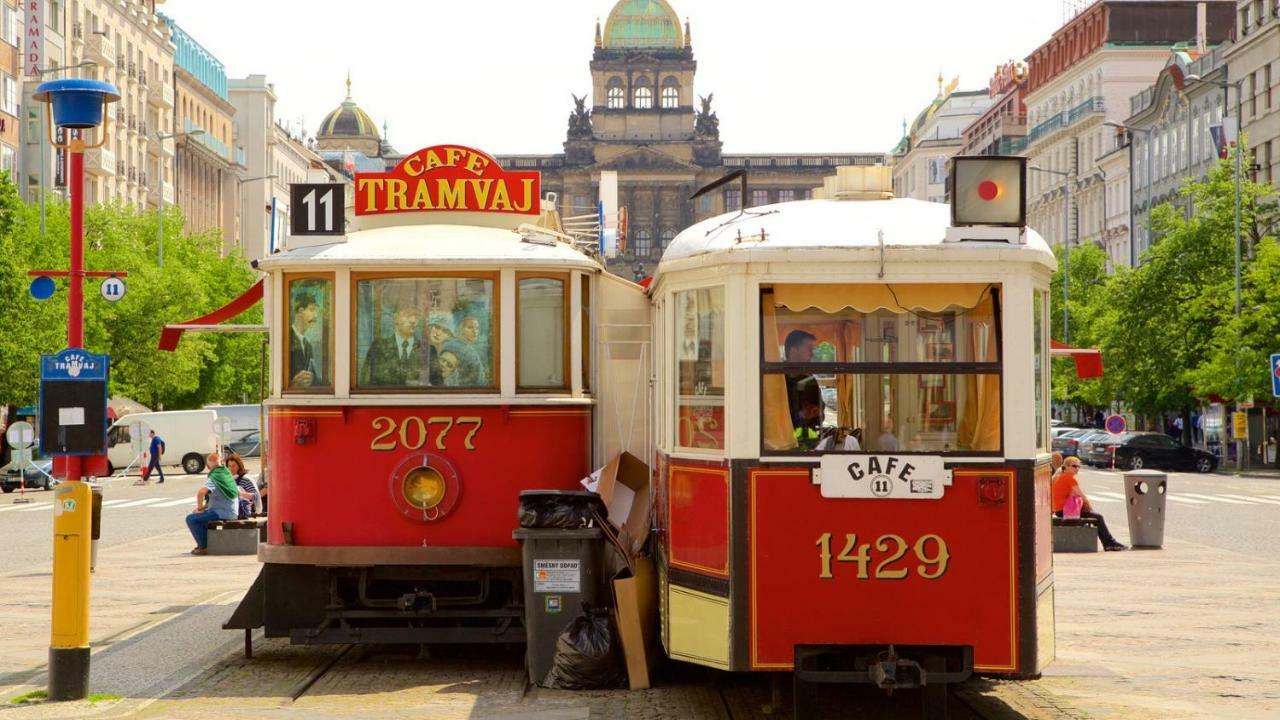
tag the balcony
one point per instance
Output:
(1066, 119)
(100, 50)
(160, 95)
(100, 162)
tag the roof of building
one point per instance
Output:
(643, 24)
(843, 226)
(347, 120)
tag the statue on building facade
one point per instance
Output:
(580, 118)
(706, 124)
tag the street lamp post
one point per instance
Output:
(77, 105)
(1133, 246)
(160, 188)
(1066, 246)
(41, 72)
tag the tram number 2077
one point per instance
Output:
(930, 550)
(413, 432)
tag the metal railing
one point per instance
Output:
(1067, 118)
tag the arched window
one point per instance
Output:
(643, 98)
(670, 94)
(615, 97)
(643, 246)
(667, 236)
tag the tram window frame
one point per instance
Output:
(495, 334)
(1040, 361)
(566, 340)
(585, 340)
(286, 380)
(677, 337)
(883, 369)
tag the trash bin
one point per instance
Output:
(96, 531)
(562, 568)
(1144, 495)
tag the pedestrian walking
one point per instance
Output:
(157, 450)
(216, 500)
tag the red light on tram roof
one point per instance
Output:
(989, 190)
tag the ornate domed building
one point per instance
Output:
(348, 139)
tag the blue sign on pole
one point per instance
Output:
(73, 364)
(73, 403)
(43, 287)
(1275, 374)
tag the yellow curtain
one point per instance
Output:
(868, 298)
(779, 433)
(980, 423)
(850, 337)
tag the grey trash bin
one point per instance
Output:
(1144, 496)
(561, 570)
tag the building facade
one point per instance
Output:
(921, 157)
(1002, 128)
(10, 87)
(1253, 60)
(1175, 125)
(1116, 167)
(255, 101)
(1080, 83)
(208, 162)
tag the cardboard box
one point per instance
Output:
(624, 487)
(635, 603)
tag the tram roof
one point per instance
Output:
(432, 244)
(826, 225)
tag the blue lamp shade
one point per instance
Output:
(77, 103)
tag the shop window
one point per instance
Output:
(699, 344)
(541, 320)
(309, 304)
(418, 333)
(881, 368)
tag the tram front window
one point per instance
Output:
(881, 368)
(421, 333)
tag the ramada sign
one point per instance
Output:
(449, 178)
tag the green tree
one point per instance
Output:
(1087, 284)
(196, 278)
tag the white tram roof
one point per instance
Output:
(819, 229)
(433, 244)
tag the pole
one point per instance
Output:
(1066, 257)
(43, 110)
(1150, 182)
(73, 521)
(1242, 447)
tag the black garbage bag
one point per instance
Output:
(558, 509)
(587, 656)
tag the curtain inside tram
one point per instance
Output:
(779, 433)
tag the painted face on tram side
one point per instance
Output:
(437, 334)
(448, 364)
(406, 321)
(470, 329)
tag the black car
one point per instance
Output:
(249, 445)
(1157, 450)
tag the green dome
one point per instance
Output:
(643, 24)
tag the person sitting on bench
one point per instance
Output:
(1066, 486)
(215, 500)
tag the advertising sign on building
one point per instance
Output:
(33, 37)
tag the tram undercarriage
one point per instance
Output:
(389, 604)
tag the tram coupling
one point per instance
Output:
(901, 667)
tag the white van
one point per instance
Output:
(188, 437)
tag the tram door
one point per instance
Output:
(624, 359)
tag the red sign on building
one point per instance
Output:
(449, 178)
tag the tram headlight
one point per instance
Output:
(988, 190)
(423, 488)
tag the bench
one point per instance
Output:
(1074, 535)
(236, 537)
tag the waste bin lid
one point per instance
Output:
(1144, 473)
(556, 534)
(558, 493)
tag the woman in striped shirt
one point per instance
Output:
(236, 465)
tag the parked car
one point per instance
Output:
(1088, 441)
(1068, 442)
(39, 476)
(1157, 450)
(248, 445)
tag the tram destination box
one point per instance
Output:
(624, 487)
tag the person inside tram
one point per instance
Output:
(396, 360)
(887, 441)
(804, 396)
(303, 368)
(840, 438)
(1066, 486)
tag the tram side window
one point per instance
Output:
(419, 333)
(699, 345)
(881, 368)
(542, 340)
(309, 301)
(1037, 333)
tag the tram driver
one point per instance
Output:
(804, 396)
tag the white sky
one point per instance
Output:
(788, 75)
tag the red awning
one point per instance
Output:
(1088, 360)
(171, 334)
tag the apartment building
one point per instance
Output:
(1253, 61)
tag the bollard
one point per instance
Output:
(1144, 494)
(69, 646)
(96, 532)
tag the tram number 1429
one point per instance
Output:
(930, 550)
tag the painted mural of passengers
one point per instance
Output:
(396, 359)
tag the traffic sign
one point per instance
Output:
(112, 289)
(43, 287)
(318, 209)
(222, 428)
(1275, 374)
(1116, 424)
(20, 435)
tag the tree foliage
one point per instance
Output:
(196, 279)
